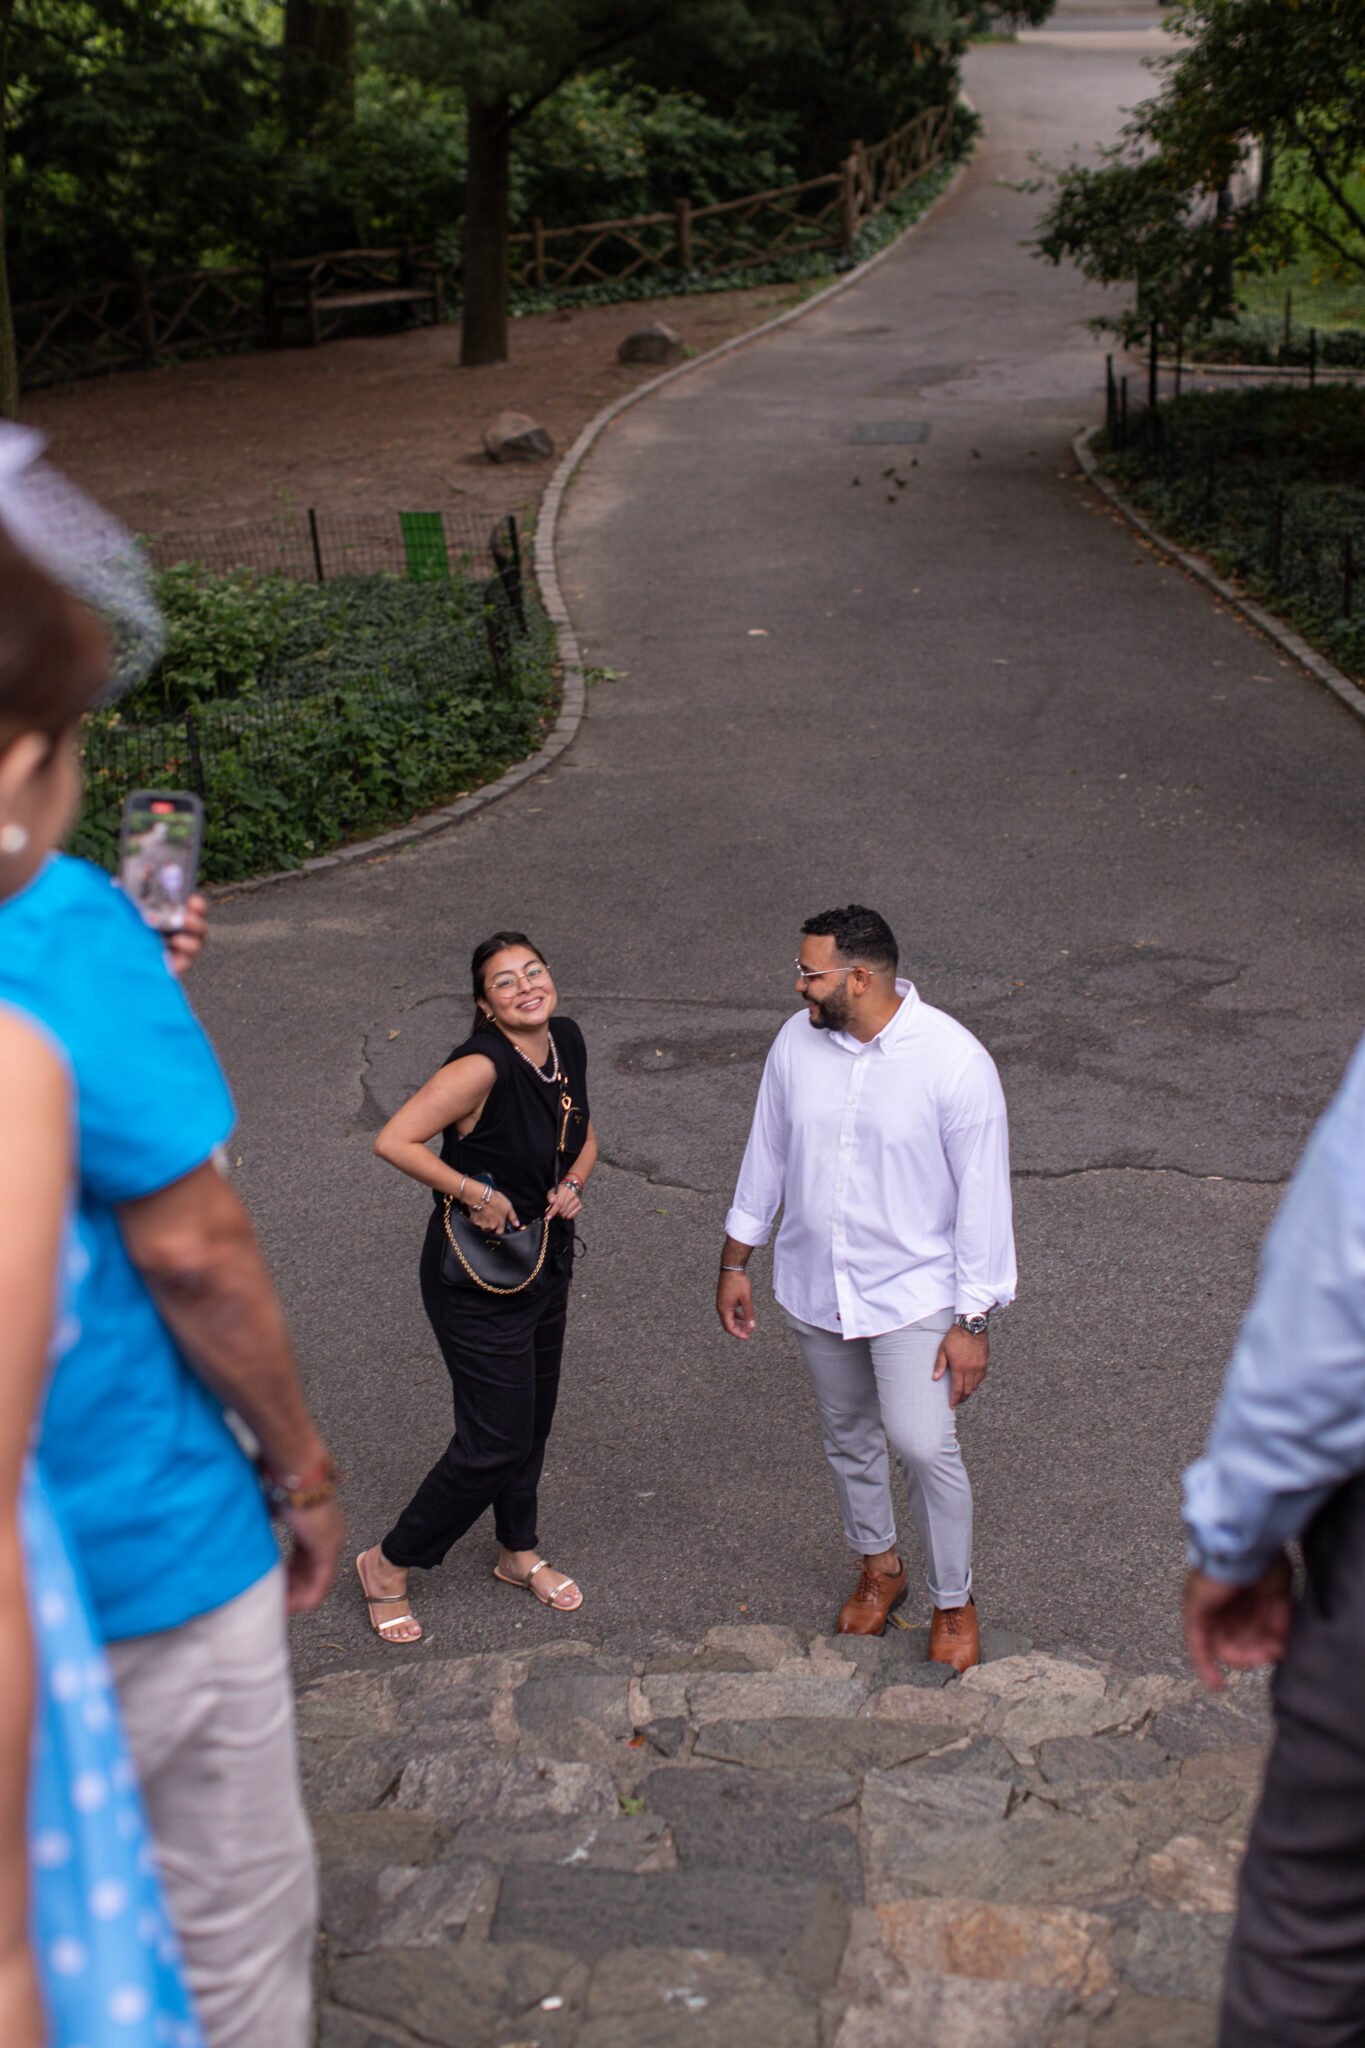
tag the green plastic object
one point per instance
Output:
(424, 543)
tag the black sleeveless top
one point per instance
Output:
(525, 1120)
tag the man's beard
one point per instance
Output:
(831, 1014)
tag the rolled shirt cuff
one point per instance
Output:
(746, 1229)
(1242, 1570)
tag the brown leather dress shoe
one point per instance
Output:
(953, 1637)
(864, 1613)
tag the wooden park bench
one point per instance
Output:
(319, 290)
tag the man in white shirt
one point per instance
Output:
(880, 1130)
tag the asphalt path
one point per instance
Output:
(1117, 833)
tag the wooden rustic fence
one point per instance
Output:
(819, 214)
(139, 320)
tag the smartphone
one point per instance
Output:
(158, 855)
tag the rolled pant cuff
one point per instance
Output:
(870, 1546)
(948, 1597)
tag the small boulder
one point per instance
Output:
(515, 437)
(653, 344)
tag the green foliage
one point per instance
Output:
(311, 714)
(1269, 483)
(133, 132)
(1183, 200)
(1264, 342)
(832, 71)
(155, 131)
(606, 146)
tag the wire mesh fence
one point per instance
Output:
(1269, 482)
(387, 691)
(316, 545)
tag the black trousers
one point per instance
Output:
(1296, 1966)
(502, 1354)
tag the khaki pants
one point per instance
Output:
(209, 1713)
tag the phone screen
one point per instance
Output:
(159, 853)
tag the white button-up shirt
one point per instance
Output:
(891, 1162)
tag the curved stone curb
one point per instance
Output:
(573, 701)
(1347, 692)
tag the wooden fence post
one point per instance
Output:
(407, 262)
(538, 252)
(849, 201)
(142, 299)
(682, 212)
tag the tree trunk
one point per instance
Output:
(484, 332)
(9, 361)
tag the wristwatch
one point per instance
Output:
(975, 1326)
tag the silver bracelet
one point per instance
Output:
(734, 1269)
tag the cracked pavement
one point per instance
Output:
(1117, 833)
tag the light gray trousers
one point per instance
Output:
(869, 1390)
(209, 1713)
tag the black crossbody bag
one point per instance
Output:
(500, 1262)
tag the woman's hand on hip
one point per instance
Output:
(564, 1201)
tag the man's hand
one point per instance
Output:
(735, 1304)
(186, 945)
(318, 1536)
(966, 1357)
(1240, 1626)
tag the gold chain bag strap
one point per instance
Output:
(500, 1262)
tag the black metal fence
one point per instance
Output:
(1279, 502)
(316, 546)
(405, 696)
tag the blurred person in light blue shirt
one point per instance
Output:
(1285, 1461)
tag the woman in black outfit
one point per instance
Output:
(517, 1144)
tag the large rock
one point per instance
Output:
(634, 1842)
(1171, 1954)
(469, 1995)
(655, 344)
(954, 2012)
(515, 437)
(572, 1711)
(399, 1906)
(455, 1787)
(793, 1924)
(821, 1744)
(653, 1998)
(761, 1821)
(1046, 1946)
(1196, 1876)
(1099, 1759)
(797, 1690)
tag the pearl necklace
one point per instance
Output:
(551, 1080)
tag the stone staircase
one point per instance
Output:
(775, 1841)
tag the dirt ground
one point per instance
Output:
(386, 423)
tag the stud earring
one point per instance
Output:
(13, 838)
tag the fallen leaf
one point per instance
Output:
(392, 1036)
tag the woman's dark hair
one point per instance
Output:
(483, 953)
(53, 657)
(859, 935)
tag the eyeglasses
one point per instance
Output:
(807, 974)
(507, 984)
